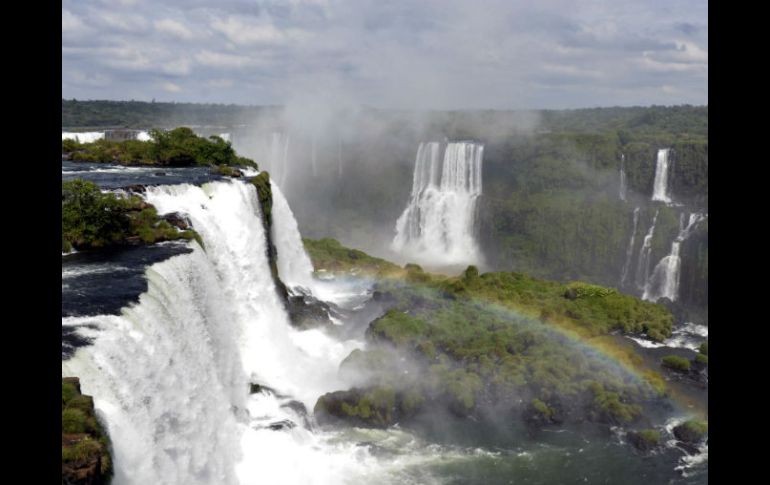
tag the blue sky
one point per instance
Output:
(402, 54)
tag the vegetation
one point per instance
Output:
(691, 431)
(95, 219)
(329, 255)
(479, 338)
(179, 147)
(645, 440)
(84, 440)
(676, 362)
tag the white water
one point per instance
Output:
(623, 183)
(664, 281)
(143, 136)
(630, 249)
(688, 336)
(643, 266)
(279, 157)
(294, 265)
(660, 185)
(437, 227)
(170, 374)
(84, 137)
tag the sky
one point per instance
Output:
(391, 54)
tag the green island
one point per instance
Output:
(179, 147)
(466, 344)
(92, 219)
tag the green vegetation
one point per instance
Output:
(691, 431)
(84, 440)
(329, 255)
(479, 335)
(704, 348)
(95, 219)
(677, 363)
(702, 359)
(180, 147)
(645, 440)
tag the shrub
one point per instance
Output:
(676, 362)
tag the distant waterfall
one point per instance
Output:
(623, 183)
(660, 186)
(279, 157)
(630, 250)
(664, 281)
(84, 137)
(643, 266)
(437, 227)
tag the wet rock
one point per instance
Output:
(177, 220)
(281, 425)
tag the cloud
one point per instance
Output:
(174, 28)
(443, 54)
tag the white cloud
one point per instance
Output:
(171, 87)
(174, 28)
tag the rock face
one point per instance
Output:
(373, 408)
(86, 457)
(306, 311)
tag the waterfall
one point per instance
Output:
(170, 375)
(143, 136)
(623, 183)
(643, 266)
(664, 281)
(630, 250)
(437, 227)
(279, 157)
(294, 265)
(84, 137)
(660, 186)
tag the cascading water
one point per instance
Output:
(279, 157)
(643, 266)
(623, 183)
(630, 250)
(660, 185)
(437, 227)
(664, 282)
(294, 265)
(170, 375)
(84, 137)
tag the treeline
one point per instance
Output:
(179, 147)
(140, 114)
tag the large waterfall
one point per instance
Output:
(438, 225)
(664, 281)
(660, 185)
(630, 249)
(170, 375)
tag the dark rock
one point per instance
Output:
(160, 174)
(689, 433)
(138, 188)
(644, 442)
(177, 220)
(570, 294)
(306, 311)
(297, 407)
(283, 424)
